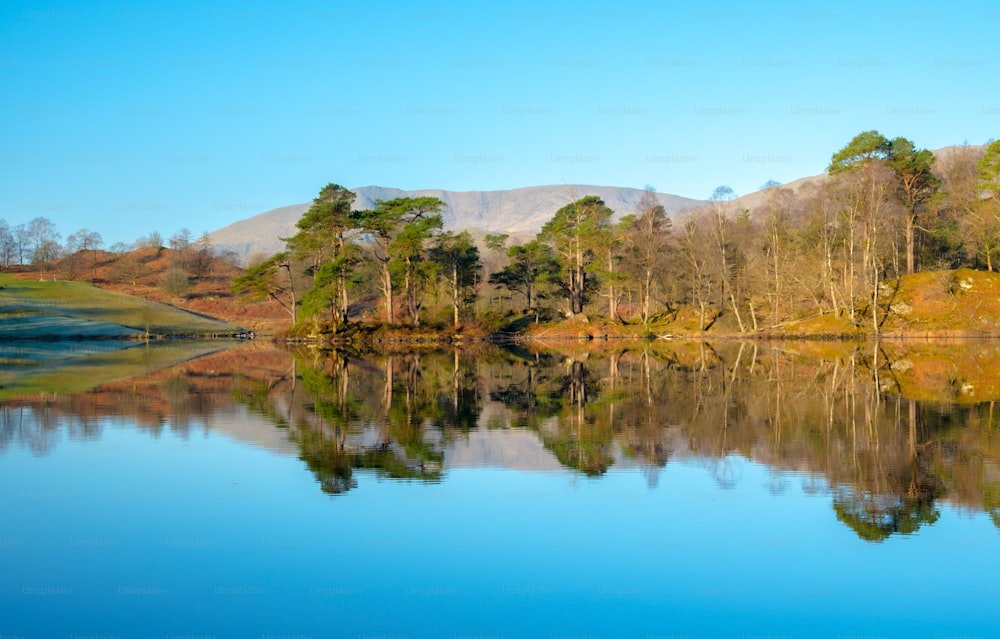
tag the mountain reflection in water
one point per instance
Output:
(890, 432)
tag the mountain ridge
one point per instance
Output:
(518, 211)
(521, 210)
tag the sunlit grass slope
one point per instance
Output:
(32, 309)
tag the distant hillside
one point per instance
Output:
(513, 211)
(756, 199)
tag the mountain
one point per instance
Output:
(751, 201)
(517, 211)
(523, 210)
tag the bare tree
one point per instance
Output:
(44, 242)
(865, 186)
(128, 268)
(958, 224)
(202, 257)
(648, 236)
(180, 244)
(774, 219)
(22, 242)
(695, 250)
(83, 241)
(721, 224)
(7, 246)
(153, 240)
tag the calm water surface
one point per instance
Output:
(666, 491)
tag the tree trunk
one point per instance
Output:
(454, 291)
(875, 300)
(387, 290)
(291, 288)
(909, 244)
(612, 300)
(736, 310)
(342, 284)
(645, 296)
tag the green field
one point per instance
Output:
(73, 310)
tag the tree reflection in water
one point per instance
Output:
(890, 433)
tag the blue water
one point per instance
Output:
(140, 535)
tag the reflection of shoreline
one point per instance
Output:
(839, 413)
(74, 367)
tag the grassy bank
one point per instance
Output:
(32, 309)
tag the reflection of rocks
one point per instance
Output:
(901, 365)
(960, 371)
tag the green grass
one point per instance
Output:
(39, 310)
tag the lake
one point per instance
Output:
(803, 489)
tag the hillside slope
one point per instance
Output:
(32, 309)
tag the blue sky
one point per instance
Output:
(131, 117)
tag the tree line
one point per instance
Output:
(397, 248)
(832, 247)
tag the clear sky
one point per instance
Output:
(131, 117)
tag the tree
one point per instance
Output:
(696, 254)
(85, 240)
(574, 233)
(776, 245)
(495, 257)
(322, 240)
(457, 260)
(860, 169)
(44, 242)
(128, 268)
(175, 282)
(495, 241)
(330, 284)
(530, 265)
(181, 240)
(118, 249)
(7, 245)
(180, 243)
(648, 235)
(72, 260)
(952, 237)
(408, 253)
(153, 240)
(720, 228)
(989, 170)
(414, 219)
(202, 256)
(917, 187)
(22, 242)
(860, 152)
(609, 253)
(266, 281)
(988, 207)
